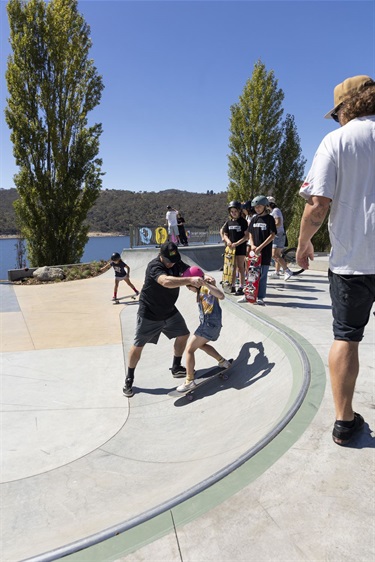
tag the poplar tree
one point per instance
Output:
(255, 137)
(52, 86)
(289, 169)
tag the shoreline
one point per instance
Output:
(90, 235)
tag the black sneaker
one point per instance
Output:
(239, 291)
(342, 435)
(233, 290)
(127, 391)
(178, 372)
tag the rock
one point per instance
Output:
(47, 273)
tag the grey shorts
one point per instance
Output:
(148, 331)
(279, 241)
(352, 299)
(173, 230)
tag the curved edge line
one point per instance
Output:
(115, 530)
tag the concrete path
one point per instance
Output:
(247, 471)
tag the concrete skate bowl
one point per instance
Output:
(171, 452)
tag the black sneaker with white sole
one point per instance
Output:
(178, 372)
(127, 391)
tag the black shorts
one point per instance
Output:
(352, 299)
(241, 249)
(148, 331)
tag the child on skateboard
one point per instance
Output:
(122, 272)
(208, 297)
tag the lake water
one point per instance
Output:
(97, 248)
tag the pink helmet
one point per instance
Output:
(193, 271)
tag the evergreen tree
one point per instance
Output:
(53, 85)
(289, 169)
(255, 136)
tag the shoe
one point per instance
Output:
(342, 435)
(127, 391)
(239, 291)
(274, 276)
(178, 372)
(233, 290)
(186, 386)
(287, 275)
(224, 364)
(114, 298)
(136, 293)
(261, 302)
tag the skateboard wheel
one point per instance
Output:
(225, 377)
(189, 397)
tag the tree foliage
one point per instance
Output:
(255, 136)
(266, 156)
(53, 85)
(289, 169)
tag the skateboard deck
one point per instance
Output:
(208, 376)
(253, 277)
(228, 267)
(132, 297)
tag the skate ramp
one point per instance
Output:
(132, 459)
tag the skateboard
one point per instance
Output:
(253, 277)
(132, 297)
(229, 261)
(208, 376)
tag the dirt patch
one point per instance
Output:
(71, 272)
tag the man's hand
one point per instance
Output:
(305, 252)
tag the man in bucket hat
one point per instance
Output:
(342, 180)
(157, 313)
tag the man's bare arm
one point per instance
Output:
(315, 212)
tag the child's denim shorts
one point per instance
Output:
(209, 330)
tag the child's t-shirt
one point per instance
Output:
(209, 307)
(119, 268)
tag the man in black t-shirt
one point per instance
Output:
(157, 313)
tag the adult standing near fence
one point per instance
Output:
(181, 230)
(342, 179)
(278, 243)
(171, 218)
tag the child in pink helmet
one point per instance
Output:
(208, 297)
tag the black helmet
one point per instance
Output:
(116, 256)
(235, 204)
(248, 206)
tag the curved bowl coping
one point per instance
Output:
(307, 358)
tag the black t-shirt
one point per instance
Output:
(235, 229)
(155, 301)
(260, 228)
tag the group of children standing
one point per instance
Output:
(262, 232)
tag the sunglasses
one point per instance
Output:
(335, 115)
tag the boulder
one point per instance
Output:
(47, 273)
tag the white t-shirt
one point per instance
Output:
(343, 170)
(171, 217)
(277, 214)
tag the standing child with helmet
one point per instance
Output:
(262, 231)
(122, 272)
(235, 236)
(208, 296)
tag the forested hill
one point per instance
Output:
(115, 210)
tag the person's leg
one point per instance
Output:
(115, 289)
(127, 280)
(133, 358)
(343, 369)
(240, 264)
(263, 282)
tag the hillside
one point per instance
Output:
(115, 210)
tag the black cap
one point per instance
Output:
(170, 251)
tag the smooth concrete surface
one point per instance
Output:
(78, 458)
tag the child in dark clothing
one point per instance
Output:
(122, 272)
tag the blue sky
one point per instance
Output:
(172, 70)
